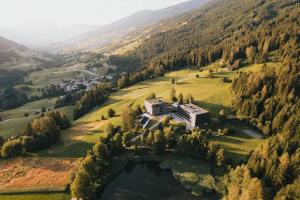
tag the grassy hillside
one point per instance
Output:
(210, 93)
(15, 121)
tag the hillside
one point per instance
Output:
(8, 50)
(239, 33)
(221, 29)
(115, 31)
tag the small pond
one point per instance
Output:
(146, 181)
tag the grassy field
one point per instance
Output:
(209, 93)
(33, 174)
(15, 122)
(29, 108)
(37, 196)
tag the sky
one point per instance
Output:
(68, 12)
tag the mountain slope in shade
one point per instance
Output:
(14, 56)
(105, 35)
(9, 50)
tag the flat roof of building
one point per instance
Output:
(155, 101)
(192, 108)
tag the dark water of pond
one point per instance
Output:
(146, 181)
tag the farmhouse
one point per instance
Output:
(190, 113)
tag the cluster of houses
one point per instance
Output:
(79, 83)
(190, 114)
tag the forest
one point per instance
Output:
(239, 33)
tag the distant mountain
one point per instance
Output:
(42, 34)
(14, 56)
(105, 35)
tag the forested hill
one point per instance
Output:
(239, 32)
(228, 29)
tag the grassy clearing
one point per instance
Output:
(237, 146)
(76, 141)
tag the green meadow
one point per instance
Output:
(209, 93)
(14, 120)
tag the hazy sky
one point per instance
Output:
(74, 11)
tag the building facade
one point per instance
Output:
(193, 114)
(156, 106)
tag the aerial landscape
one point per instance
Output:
(150, 100)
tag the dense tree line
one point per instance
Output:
(39, 134)
(68, 99)
(94, 97)
(272, 171)
(11, 98)
(89, 178)
(11, 78)
(268, 99)
(130, 78)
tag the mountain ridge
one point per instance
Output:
(105, 35)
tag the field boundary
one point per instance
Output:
(35, 189)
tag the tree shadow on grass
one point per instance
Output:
(74, 150)
(212, 107)
(226, 139)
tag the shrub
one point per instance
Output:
(111, 113)
(227, 131)
(11, 148)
